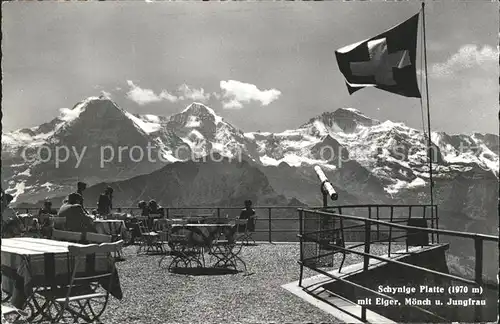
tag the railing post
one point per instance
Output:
(301, 248)
(390, 232)
(409, 217)
(218, 213)
(432, 223)
(167, 213)
(366, 261)
(270, 232)
(437, 224)
(369, 213)
(341, 223)
(478, 244)
(478, 273)
(378, 225)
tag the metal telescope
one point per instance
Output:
(326, 187)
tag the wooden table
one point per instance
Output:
(29, 264)
(114, 227)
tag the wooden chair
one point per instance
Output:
(101, 238)
(184, 254)
(97, 238)
(243, 234)
(82, 307)
(161, 226)
(59, 235)
(46, 224)
(59, 222)
(149, 241)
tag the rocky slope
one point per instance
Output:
(180, 184)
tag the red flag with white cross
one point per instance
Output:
(386, 61)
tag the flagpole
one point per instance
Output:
(429, 141)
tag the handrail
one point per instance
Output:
(188, 207)
(428, 230)
(271, 218)
(442, 274)
(373, 206)
(261, 207)
(368, 223)
(372, 291)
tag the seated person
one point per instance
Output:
(105, 203)
(247, 213)
(80, 188)
(34, 228)
(155, 212)
(144, 208)
(154, 208)
(12, 225)
(47, 209)
(133, 223)
(45, 224)
(76, 218)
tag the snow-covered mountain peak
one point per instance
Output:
(88, 111)
(342, 120)
(96, 105)
(197, 117)
(199, 110)
(388, 150)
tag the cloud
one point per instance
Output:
(232, 104)
(106, 94)
(168, 96)
(193, 94)
(145, 96)
(216, 95)
(467, 57)
(236, 93)
(233, 95)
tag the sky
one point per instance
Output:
(267, 66)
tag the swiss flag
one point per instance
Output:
(386, 61)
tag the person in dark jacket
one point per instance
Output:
(47, 209)
(155, 212)
(80, 188)
(76, 218)
(12, 225)
(144, 208)
(133, 224)
(105, 203)
(248, 213)
(154, 208)
(45, 223)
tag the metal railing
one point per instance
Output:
(280, 223)
(273, 223)
(313, 231)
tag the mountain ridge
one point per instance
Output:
(392, 152)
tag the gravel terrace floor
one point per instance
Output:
(154, 295)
